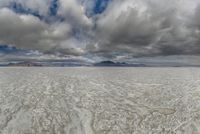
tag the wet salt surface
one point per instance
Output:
(99, 100)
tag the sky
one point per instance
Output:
(156, 31)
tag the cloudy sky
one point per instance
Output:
(95, 30)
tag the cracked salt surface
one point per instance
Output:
(99, 100)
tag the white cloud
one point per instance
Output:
(74, 12)
(27, 31)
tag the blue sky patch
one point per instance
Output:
(6, 49)
(100, 6)
(52, 16)
(18, 8)
(53, 9)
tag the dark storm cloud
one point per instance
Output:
(149, 28)
(107, 28)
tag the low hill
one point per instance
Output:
(117, 64)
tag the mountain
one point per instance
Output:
(74, 64)
(117, 64)
(25, 64)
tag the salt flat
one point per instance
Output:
(87, 100)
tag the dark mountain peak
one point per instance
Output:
(120, 64)
(107, 62)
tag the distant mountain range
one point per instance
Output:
(117, 64)
(72, 64)
(25, 64)
(81, 63)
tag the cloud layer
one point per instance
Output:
(149, 28)
(135, 28)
